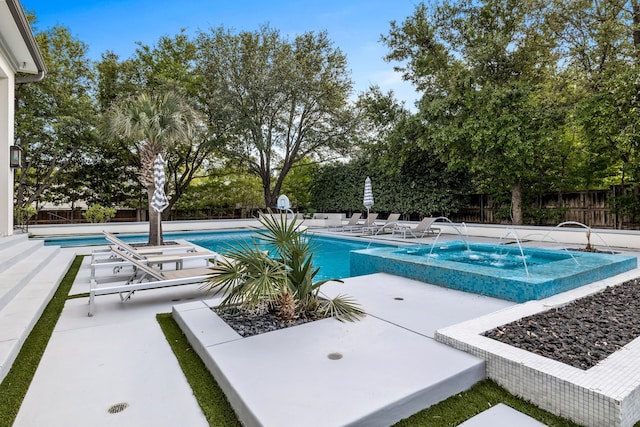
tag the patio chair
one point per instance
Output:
(353, 221)
(388, 225)
(146, 250)
(369, 222)
(146, 277)
(152, 255)
(420, 230)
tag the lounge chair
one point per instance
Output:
(146, 277)
(353, 221)
(146, 250)
(420, 230)
(152, 255)
(369, 222)
(388, 225)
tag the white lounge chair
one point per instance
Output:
(146, 250)
(369, 222)
(152, 255)
(388, 225)
(420, 230)
(353, 221)
(146, 277)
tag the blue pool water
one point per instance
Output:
(493, 270)
(331, 255)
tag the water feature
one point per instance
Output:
(493, 270)
(514, 233)
(451, 224)
(588, 234)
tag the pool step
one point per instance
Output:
(31, 273)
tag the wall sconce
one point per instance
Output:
(15, 156)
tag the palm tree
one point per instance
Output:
(154, 124)
(281, 281)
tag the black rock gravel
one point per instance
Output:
(247, 323)
(581, 333)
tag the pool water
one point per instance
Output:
(331, 255)
(505, 258)
(493, 270)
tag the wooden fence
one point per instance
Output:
(614, 208)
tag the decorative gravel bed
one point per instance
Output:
(581, 333)
(247, 323)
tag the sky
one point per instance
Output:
(354, 26)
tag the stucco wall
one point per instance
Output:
(7, 77)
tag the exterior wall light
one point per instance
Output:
(15, 156)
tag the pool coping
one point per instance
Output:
(607, 394)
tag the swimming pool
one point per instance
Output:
(331, 254)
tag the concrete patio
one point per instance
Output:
(390, 360)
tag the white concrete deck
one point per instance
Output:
(390, 368)
(501, 415)
(121, 356)
(118, 356)
(389, 365)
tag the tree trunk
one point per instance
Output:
(516, 203)
(155, 222)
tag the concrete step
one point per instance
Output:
(19, 314)
(23, 268)
(13, 249)
(11, 240)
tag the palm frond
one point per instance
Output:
(343, 308)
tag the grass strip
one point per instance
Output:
(482, 396)
(210, 397)
(15, 385)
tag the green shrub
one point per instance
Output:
(24, 214)
(98, 213)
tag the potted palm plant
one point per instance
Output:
(275, 273)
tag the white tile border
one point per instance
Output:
(607, 394)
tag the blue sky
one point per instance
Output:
(354, 26)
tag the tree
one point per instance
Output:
(152, 124)
(600, 45)
(226, 189)
(168, 65)
(55, 119)
(487, 107)
(280, 101)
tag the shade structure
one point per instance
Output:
(368, 195)
(159, 200)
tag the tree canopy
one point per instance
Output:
(281, 100)
(517, 98)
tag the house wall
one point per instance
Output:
(7, 79)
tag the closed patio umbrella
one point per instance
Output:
(159, 200)
(368, 195)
